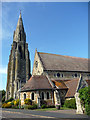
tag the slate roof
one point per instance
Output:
(72, 87)
(37, 82)
(63, 63)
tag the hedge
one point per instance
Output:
(70, 103)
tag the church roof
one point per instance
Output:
(37, 82)
(72, 87)
(60, 84)
(63, 63)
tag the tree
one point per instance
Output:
(2, 95)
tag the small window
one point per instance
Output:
(75, 75)
(32, 96)
(47, 95)
(58, 74)
(36, 64)
(42, 95)
(62, 75)
(24, 96)
(54, 75)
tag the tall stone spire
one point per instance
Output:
(19, 34)
(19, 62)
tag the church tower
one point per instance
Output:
(19, 63)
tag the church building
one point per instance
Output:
(54, 77)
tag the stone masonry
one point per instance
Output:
(19, 62)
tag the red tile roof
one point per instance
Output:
(37, 82)
(60, 84)
(63, 63)
(72, 87)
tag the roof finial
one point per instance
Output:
(20, 14)
(20, 11)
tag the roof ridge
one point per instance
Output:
(62, 55)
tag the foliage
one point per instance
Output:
(7, 105)
(30, 106)
(15, 107)
(27, 101)
(70, 103)
(11, 99)
(2, 95)
(16, 102)
(50, 106)
(3, 92)
(43, 102)
(3, 99)
(43, 106)
(22, 107)
(3, 105)
(84, 95)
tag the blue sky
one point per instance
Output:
(59, 28)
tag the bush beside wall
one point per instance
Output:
(70, 103)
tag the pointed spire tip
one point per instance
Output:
(20, 15)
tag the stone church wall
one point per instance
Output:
(61, 74)
(37, 67)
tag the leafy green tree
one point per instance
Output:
(84, 95)
(2, 95)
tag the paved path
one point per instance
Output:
(16, 113)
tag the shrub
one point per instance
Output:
(43, 106)
(84, 95)
(30, 106)
(27, 106)
(12, 103)
(70, 103)
(16, 102)
(15, 107)
(3, 105)
(22, 107)
(34, 106)
(43, 102)
(28, 101)
(87, 108)
(11, 99)
(50, 106)
(6, 105)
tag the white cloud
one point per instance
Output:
(3, 70)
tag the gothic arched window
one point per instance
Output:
(32, 96)
(75, 75)
(47, 95)
(24, 96)
(42, 95)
